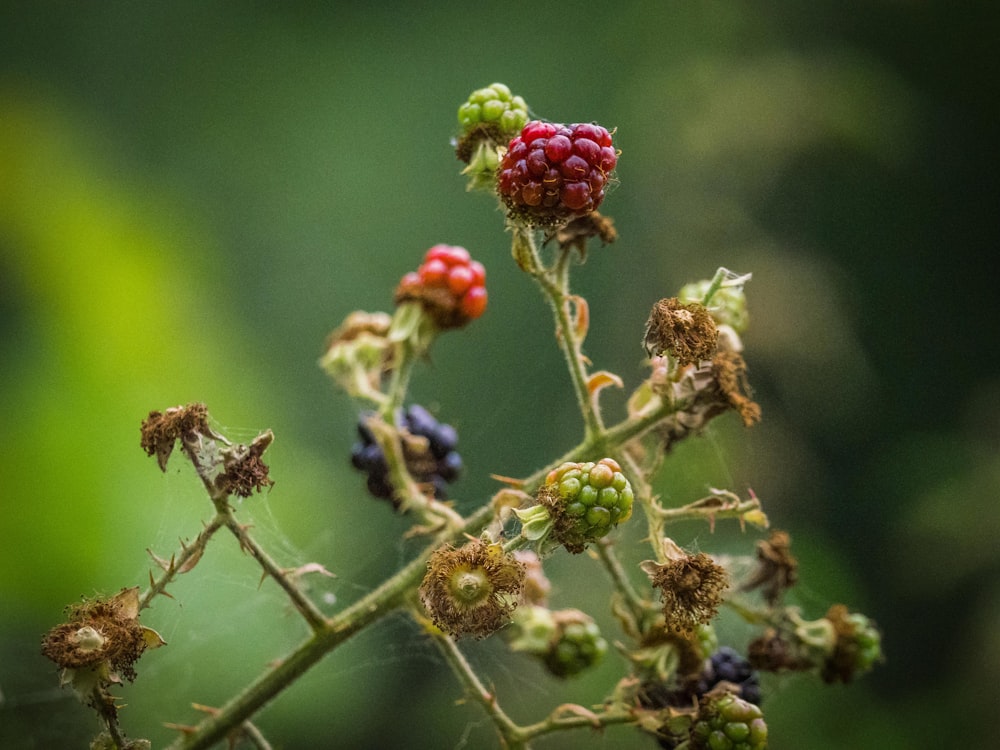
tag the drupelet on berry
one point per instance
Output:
(431, 459)
(586, 501)
(578, 646)
(727, 722)
(449, 285)
(493, 107)
(552, 173)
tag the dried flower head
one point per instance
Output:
(777, 568)
(100, 642)
(359, 353)
(160, 430)
(773, 652)
(473, 589)
(686, 330)
(246, 471)
(691, 587)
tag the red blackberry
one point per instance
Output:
(552, 173)
(428, 446)
(449, 285)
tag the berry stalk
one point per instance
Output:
(554, 283)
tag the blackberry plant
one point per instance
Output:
(483, 573)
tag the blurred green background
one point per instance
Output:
(192, 195)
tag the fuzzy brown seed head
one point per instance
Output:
(687, 331)
(102, 630)
(472, 590)
(772, 652)
(251, 473)
(691, 588)
(777, 568)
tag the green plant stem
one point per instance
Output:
(388, 597)
(302, 603)
(615, 714)
(513, 735)
(505, 726)
(606, 552)
(182, 561)
(399, 382)
(604, 442)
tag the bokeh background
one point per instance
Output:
(192, 195)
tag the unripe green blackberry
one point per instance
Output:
(489, 118)
(726, 722)
(567, 641)
(496, 108)
(858, 645)
(578, 644)
(586, 501)
(728, 305)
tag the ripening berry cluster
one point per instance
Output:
(587, 500)
(579, 646)
(554, 172)
(431, 459)
(449, 284)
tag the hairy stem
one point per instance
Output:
(388, 597)
(182, 561)
(554, 283)
(505, 726)
(300, 601)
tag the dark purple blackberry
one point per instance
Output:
(728, 665)
(430, 449)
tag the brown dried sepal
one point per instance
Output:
(777, 568)
(576, 233)
(729, 370)
(473, 589)
(772, 652)
(686, 330)
(439, 303)
(489, 133)
(249, 473)
(160, 430)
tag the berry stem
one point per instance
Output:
(300, 601)
(554, 283)
(635, 603)
(371, 608)
(181, 561)
(509, 731)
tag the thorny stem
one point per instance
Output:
(182, 561)
(513, 735)
(300, 601)
(377, 604)
(554, 284)
(508, 730)
(606, 552)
